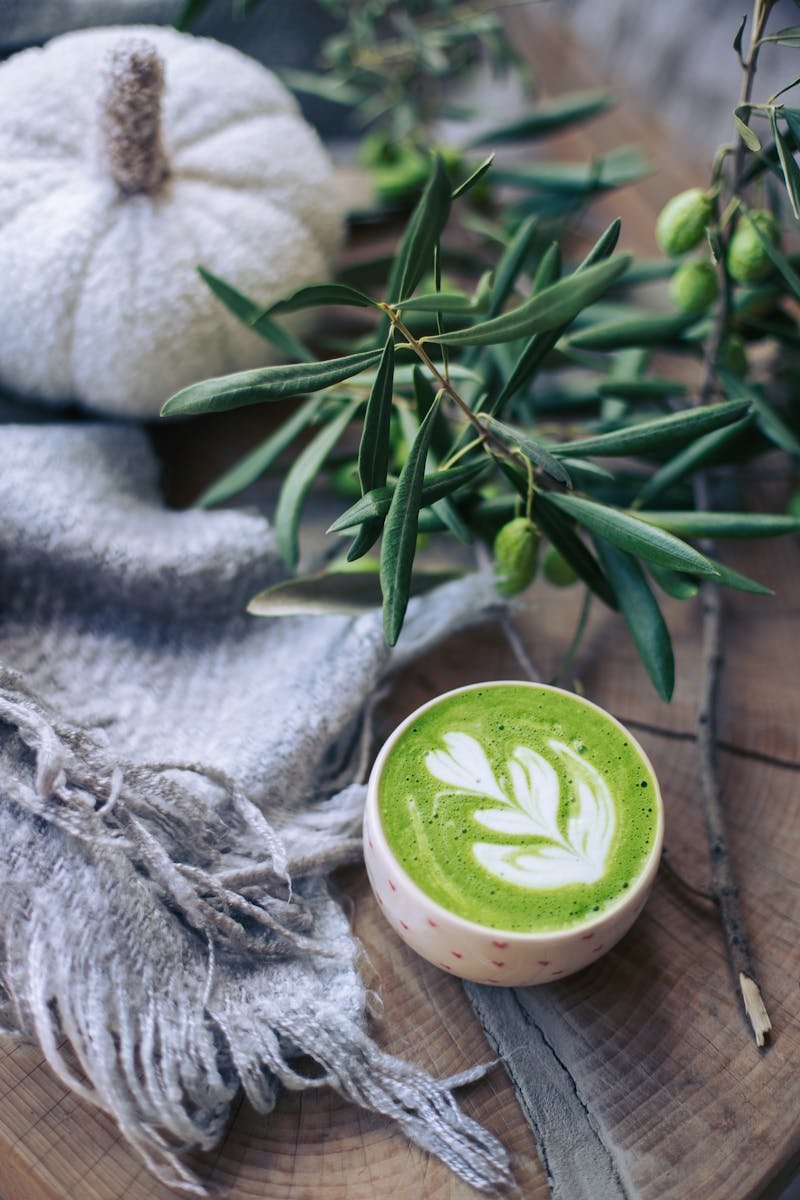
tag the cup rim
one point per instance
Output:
(640, 884)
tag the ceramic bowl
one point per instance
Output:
(479, 952)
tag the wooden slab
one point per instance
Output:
(651, 1037)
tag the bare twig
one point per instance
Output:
(723, 884)
(519, 649)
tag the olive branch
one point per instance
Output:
(541, 388)
(445, 401)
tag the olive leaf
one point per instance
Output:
(374, 448)
(336, 592)
(641, 389)
(400, 531)
(549, 116)
(769, 422)
(737, 581)
(635, 331)
(317, 295)
(792, 118)
(785, 37)
(690, 458)
(647, 270)
(259, 460)
(415, 253)
(299, 479)
(560, 532)
(556, 305)
(364, 540)
(584, 471)
(737, 42)
(646, 436)
(511, 263)
(444, 508)
(778, 260)
(313, 83)
(722, 524)
(642, 615)
(786, 88)
(635, 535)
(619, 167)
(424, 396)
(443, 302)
(424, 392)
(266, 383)
(791, 173)
(374, 505)
(541, 344)
(680, 587)
(473, 178)
(531, 450)
(256, 317)
(483, 291)
(748, 136)
(604, 247)
(549, 268)
(775, 428)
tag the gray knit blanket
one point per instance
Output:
(176, 782)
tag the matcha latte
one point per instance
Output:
(520, 808)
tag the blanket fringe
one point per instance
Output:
(354, 1066)
(166, 1063)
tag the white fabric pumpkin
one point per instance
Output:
(111, 194)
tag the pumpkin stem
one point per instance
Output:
(131, 117)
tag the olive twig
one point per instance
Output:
(723, 885)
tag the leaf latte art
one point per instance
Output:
(519, 808)
(531, 809)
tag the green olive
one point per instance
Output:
(733, 356)
(748, 260)
(694, 287)
(556, 569)
(377, 150)
(516, 550)
(683, 221)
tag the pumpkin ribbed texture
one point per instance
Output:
(99, 247)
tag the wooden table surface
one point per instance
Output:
(651, 1036)
(655, 1041)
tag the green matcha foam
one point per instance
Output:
(519, 808)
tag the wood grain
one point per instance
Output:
(651, 1037)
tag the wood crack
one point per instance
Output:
(682, 735)
(580, 1165)
(590, 1118)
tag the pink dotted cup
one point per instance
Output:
(483, 952)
